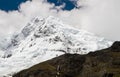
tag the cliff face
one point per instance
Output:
(102, 63)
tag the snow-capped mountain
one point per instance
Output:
(45, 38)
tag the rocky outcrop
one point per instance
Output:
(102, 63)
(116, 46)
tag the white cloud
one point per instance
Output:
(98, 16)
(10, 21)
(15, 20)
(103, 18)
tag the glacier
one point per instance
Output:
(43, 39)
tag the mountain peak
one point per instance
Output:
(45, 38)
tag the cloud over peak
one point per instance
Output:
(98, 16)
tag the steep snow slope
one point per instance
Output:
(46, 38)
(52, 32)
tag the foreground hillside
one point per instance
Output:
(102, 63)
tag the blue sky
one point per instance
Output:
(69, 5)
(9, 5)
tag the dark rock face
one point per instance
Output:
(68, 64)
(103, 63)
(116, 46)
